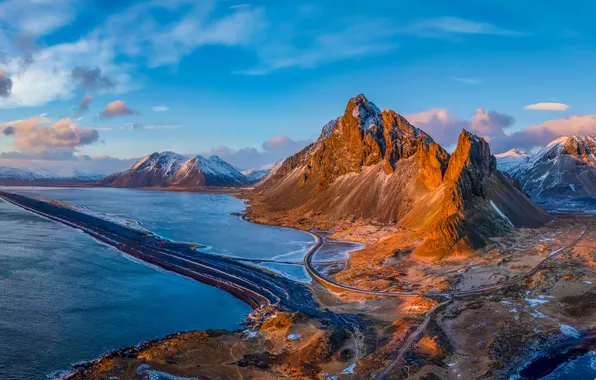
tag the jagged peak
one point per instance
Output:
(361, 108)
(472, 152)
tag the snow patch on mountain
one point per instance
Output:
(511, 159)
(172, 169)
(566, 167)
(10, 174)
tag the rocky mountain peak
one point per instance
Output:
(470, 164)
(566, 167)
(361, 109)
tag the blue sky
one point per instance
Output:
(227, 76)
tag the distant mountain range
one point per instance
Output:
(373, 165)
(9, 174)
(169, 169)
(566, 167)
(510, 159)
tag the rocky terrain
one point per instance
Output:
(510, 159)
(172, 170)
(372, 166)
(566, 167)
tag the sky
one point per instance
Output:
(94, 85)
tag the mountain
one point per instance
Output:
(510, 159)
(10, 174)
(475, 202)
(255, 175)
(169, 169)
(374, 166)
(566, 167)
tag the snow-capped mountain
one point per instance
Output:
(169, 169)
(566, 167)
(10, 174)
(255, 175)
(510, 159)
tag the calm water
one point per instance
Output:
(189, 217)
(65, 297)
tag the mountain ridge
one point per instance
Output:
(170, 169)
(373, 166)
(566, 167)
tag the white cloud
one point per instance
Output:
(454, 25)
(161, 108)
(135, 127)
(291, 41)
(467, 80)
(547, 107)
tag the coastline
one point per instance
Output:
(124, 353)
(262, 290)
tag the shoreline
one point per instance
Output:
(263, 290)
(320, 239)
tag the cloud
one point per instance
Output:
(160, 108)
(136, 127)
(84, 105)
(542, 134)
(444, 126)
(274, 149)
(5, 85)
(282, 143)
(292, 42)
(467, 80)
(438, 27)
(44, 137)
(89, 79)
(115, 109)
(547, 107)
(8, 131)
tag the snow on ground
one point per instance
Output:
(569, 331)
(501, 213)
(294, 336)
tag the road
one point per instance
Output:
(257, 287)
(309, 265)
(449, 296)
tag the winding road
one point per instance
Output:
(449, 296)
(256, 287)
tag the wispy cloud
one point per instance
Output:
(467, 80)
(453, 25)
(84, 105)
(160, 108)
(291, 42)
(547, 107)
(135, 127)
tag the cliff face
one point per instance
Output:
(367, 164)
(477, 202)
(374, 166)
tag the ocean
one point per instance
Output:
(65, 298)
